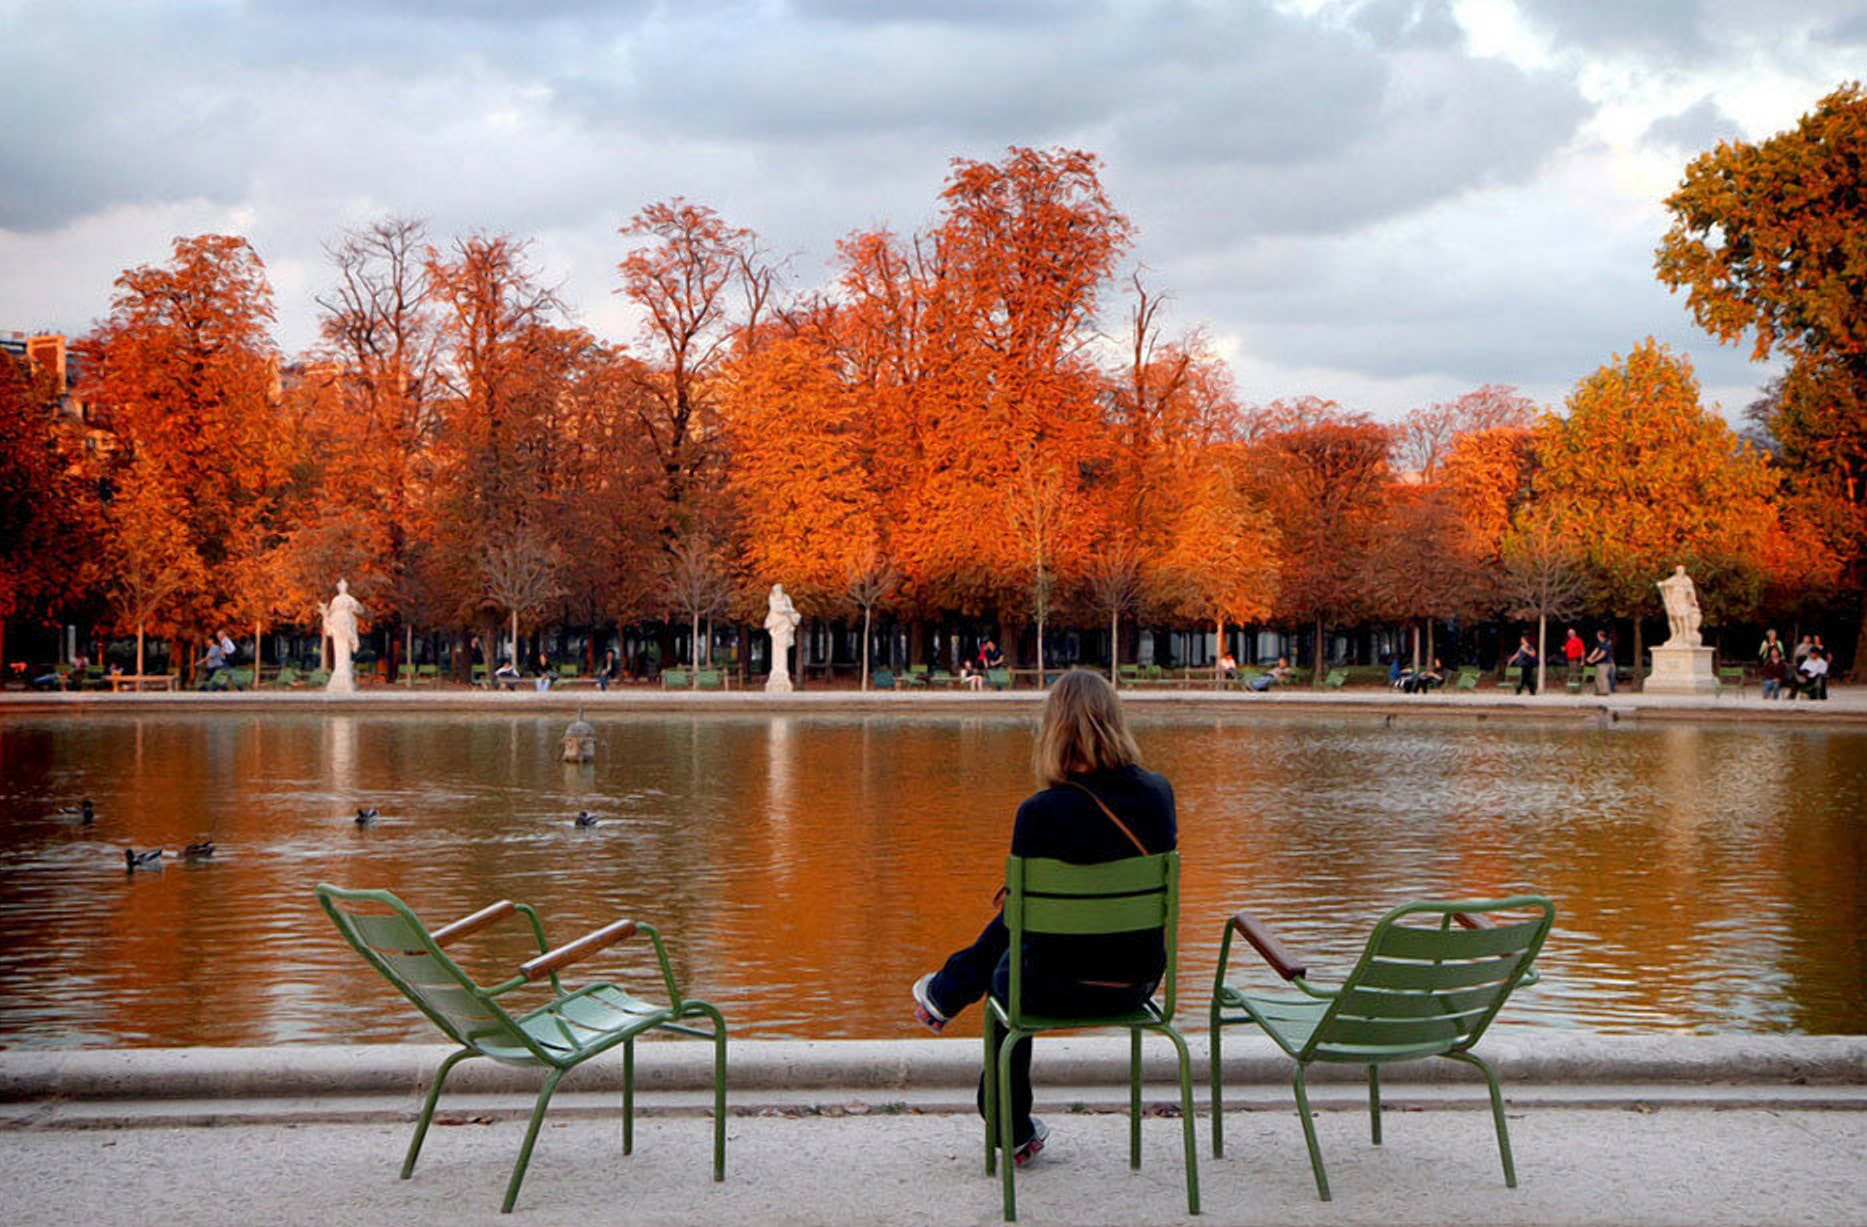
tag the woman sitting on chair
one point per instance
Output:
(1097, 804)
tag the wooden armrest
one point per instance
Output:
(1468, 921)
(588, 944)
(474, 923)
(1266, 944)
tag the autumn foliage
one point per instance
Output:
(979, 424)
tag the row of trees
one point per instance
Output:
(969, 423)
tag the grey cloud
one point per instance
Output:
(1665, 29)
(944, 12)
(1409, 23)
(1700, 126)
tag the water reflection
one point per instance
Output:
(806, 869)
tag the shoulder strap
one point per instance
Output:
(1103, 806)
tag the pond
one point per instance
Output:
(807, 868)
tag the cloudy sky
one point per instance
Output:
(1386, 202)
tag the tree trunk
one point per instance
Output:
(139, 649)
(1114, 648)
(1860, 640)
(693, 654)
(516, 654)
(1542, 623)
(1316, 666)
(1639, 647)
(867, 612)
(1040, 653)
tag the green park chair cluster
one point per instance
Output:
(1429, 982)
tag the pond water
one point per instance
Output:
(805, 869)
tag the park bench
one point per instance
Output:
(141, 681)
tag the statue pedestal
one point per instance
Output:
(778, 683)
(1682, 669)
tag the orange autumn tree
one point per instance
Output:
(807, 507)
(1322, 474)
(1219, 563)
(1641, 478)
(185, 364)
(49, 512)
(1006, 308)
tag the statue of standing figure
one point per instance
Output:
(781, 619)
(1682, 613)
(340, 623)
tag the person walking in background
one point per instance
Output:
(1573, 650)
(1602, 657)
(1524, 658)
(1095, 804)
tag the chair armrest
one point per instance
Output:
(552, 961)
(474, 923)
(1266, 944)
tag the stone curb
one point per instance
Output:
(858, 1067)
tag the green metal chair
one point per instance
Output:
(674, 679)
(1468, 678)
(1418, 991)
(1049, 896)
(882, 679)
(1336, 679)
(1513, 674)
(708, 679)
(557, 1036)
(998, 679)
(1731, 677)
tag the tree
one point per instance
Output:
(1640, 478)
(1037, 519)
(1543, 579)
(152, 559)
(871, 581)
(682, 280)
(1425, 563)
(1220, 564)
(1426, 436)
(48, 511)
(1323, 480)
(521, 567)
(1112, 578)
(697, 582)
(1770, 240)
(185, 365)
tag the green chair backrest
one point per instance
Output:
(917, 670)
(405, 672)
(1426, 990)
(319, 677)
(479, 671)
(1512, 673)
(707, 679)
(1336, 679)
(673, 678)
(568, 671)
(882, 679)
(1000, 679)
(428, 671)
(287, 675)
(392, 939)
(1731, 674)
(1125, 896)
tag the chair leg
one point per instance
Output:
(1497, 1112)
(531, 1139)
(1134, 1098)
(1189, 1133)
(989, 1098)
(427, 1109)
(719, 1088)
(1009, 1169)
(628, 1096)
(1215, 1068)
(1374, 1103)
(1309, 1135)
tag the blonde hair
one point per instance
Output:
(1083, 730)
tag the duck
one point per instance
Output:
(83, 813)
(134, 860)
(366, 816)
(586, 819)
(198, 851)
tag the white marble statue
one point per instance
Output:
(781, 619)
(1682, 612)
(340, 623)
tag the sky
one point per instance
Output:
(1382, 202)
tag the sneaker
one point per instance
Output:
(1033, 1145)
(925, 1011)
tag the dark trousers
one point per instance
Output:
(1526, 680)
(985, 966)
